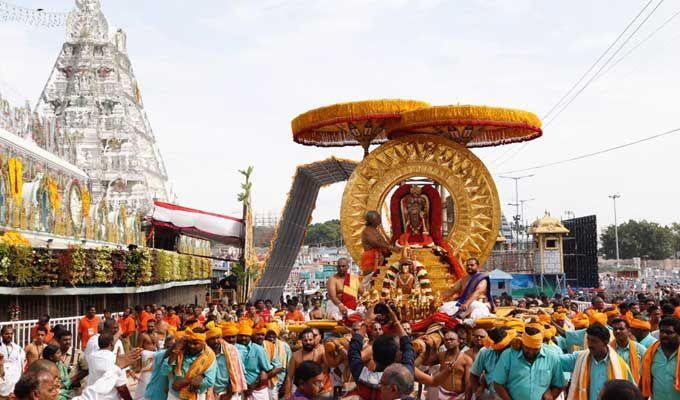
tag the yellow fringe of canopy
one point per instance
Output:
(314, 126)
(493, 125)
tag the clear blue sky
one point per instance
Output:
(221, 81)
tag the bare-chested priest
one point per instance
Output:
(467, 291)
(343, 291)
(376, 247)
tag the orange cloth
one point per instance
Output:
(295, 316)
(48, 336)
(640, 324)
(646, 378)
(127, 325)
(510, 335)
(676, 313)
(634, 360)
(613, 312)
(87, 329)
(204, 360)
(173, 320)
(370, 260)
(532, 341)
(597, 318)
(144, 318)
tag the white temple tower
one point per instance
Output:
(93, 96)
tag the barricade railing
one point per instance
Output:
(22, 329)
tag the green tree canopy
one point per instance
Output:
(641, 239)
(324, 233)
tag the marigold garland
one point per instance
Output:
(15, 177)
(53, 192)
(85, 196)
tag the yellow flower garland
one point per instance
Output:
(13, 238)
(53, 192)
(15, 177)
(85, 195)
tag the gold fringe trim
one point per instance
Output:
(315, 127)
(491, 125)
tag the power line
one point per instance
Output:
(672, 17)
(607, 150)
(592, 78)
(510, 155)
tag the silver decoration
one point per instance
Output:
(49, 19)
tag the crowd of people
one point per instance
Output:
(534, 348)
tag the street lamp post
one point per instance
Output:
(516, 204)
(616, 229)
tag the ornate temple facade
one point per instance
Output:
(95, 116)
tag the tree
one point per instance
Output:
(639, 239)
(324, 233)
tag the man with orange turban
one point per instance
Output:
(591, 368)
(191, 367)
(255, 363)
(283, 354)
(577, 340)
(230, 381)
(640, 328)
(660, 376)
(530, 373)
(229, 332)
(486, 360)
(630, 350)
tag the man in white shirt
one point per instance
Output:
(110, 327)
(103, 361)
(13, 360)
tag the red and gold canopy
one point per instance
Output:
(473, 126)
(350, 124)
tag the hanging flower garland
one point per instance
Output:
(85, 195)
(15, 178)
(53, 192)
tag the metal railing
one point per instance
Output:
(22, 329)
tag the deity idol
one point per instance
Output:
(415, 208)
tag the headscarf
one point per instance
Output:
(597, 318)
(580, 321)
(510, 335)
(191, 335)
(245, 329)
(213, 332)
(229, 329)
(532, 341)
(640, 324)
(274, 327)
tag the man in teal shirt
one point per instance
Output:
(256, 364)
(192, 346)
(640, 327)
(157, 388)
(624, 343)
(663, 371)
(599, 353)
(486, 360)
(530, 373)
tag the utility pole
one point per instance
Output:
(616, 229)
(516, 203)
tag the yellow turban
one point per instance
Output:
(273, 326)
(229, 329)
(544, 318)
(180, 334)
(210, 324)
(261, 329)
(613, 312)
(191, 335)
(549, 332)
(558, 316)
(213, 332)
(510, 335)
(538, 326)
(245, 329)
(640, 324)
(598, 318)
(516, 324)
(532, 341)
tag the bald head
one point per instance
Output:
(43, 365)
(399, 376)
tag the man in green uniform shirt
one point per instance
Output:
(530, 373)
(660, 378)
